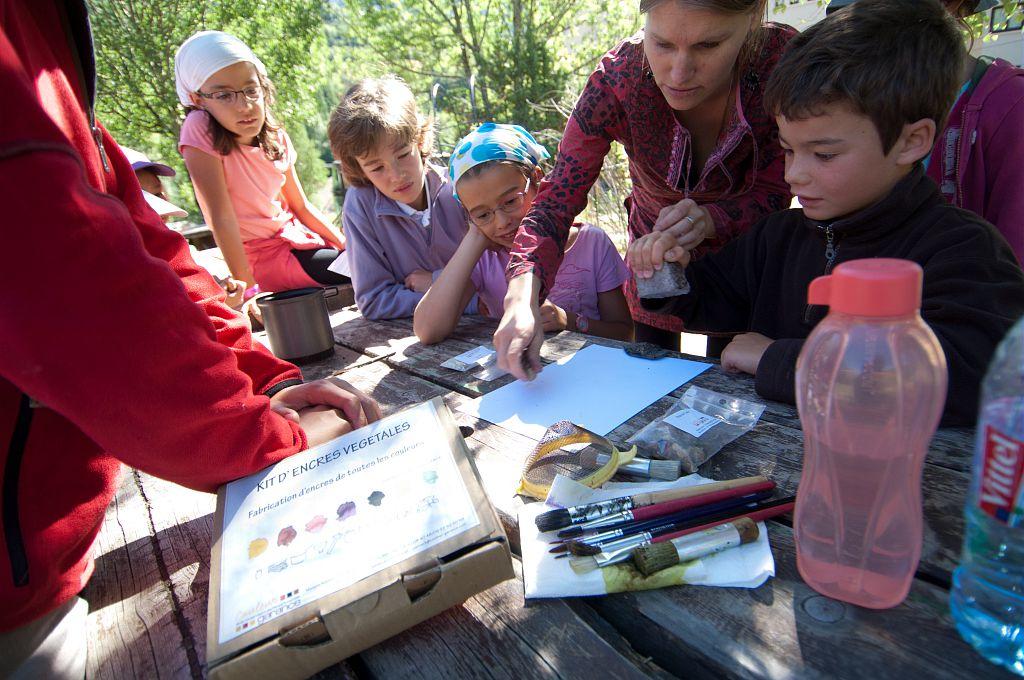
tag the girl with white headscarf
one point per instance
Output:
(495, 171)
(242, 165)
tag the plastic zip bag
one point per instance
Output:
(697, 427)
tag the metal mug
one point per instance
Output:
(298, 325)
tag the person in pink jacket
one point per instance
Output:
(977, 158)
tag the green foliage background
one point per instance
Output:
(525, 59)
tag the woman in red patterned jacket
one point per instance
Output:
(683, 98)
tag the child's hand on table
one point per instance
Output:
(744, 353)
(419, 280)
(553, 317)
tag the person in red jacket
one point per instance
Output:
(116, 347)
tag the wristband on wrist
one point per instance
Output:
(251, 292)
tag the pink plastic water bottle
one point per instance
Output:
(870, 388)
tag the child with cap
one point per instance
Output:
(858, 98)
(495, 171)
(242, 165)
(149, 173)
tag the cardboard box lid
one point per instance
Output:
(487, 530)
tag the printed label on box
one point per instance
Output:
(323, 519)
(691, 421)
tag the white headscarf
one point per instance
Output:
(204, 54)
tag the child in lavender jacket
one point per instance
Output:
(401, 221)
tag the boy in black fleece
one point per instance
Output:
(858, 98)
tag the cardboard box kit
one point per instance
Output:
(335, 549)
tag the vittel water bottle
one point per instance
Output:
(870, 388)
(988, 588)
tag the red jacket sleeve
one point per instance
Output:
(100, 330)
(230, 329)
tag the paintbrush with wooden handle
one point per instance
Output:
(621, 550)
(650, 559)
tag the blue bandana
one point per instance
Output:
(494, 142)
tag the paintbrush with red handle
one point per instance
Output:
(657, 510)
(739, 504)
(591, 515)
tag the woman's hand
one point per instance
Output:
(689, 223)
(647, 253)
(520, 333)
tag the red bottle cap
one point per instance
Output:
(872, 287)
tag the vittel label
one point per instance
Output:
(1002, 469)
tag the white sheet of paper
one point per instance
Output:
(597, 388)
(746, 566)
(328, 517)
(340, 265)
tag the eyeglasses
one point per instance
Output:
(509, 206)
(253, 93)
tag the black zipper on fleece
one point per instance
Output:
(831, 250)
(12, 475)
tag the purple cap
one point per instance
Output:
(140, 161)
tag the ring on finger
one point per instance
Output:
(690, 217)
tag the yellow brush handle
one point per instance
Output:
(650, 498)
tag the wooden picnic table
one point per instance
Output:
(148, 596)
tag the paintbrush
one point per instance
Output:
(621, 550)
(578, 514)
(580, 548)
(629, 527)
(657, 556)
(638, 467)
(668, 507)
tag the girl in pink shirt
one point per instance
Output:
(242, 166)
(495, 173)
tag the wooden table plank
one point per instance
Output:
(785, 629)
(774, 447)
(494, 635)
(157, 536)
(133, 630)
(489, 632)
(778, 617)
